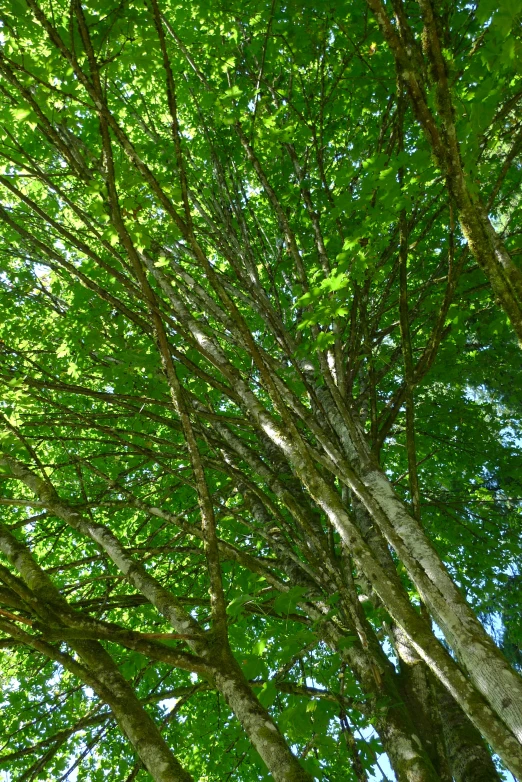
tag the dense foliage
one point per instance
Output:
(260, 390)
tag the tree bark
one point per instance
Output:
(485, 244)
(106, 679)
(482, 659)
(469, 757)
(257, 722)
(391, 716)
(490, 673)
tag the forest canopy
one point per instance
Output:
(260, 371)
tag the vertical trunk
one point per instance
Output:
(469, 757)
(493, 697)
(493, 681)
(391, 717)
(369, 665)
(415, 685)
(419, 633)
(413, 682)
(488, 670)
(401, 738)
(455, 747)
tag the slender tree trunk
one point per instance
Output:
(413, 681)
(485, 244)
(392, 717)
(106, 679)
(132, 718)
(489, 671)
(257, 723)
(487, 667)
(437, 717)
(418, 631)
(415, 686)
(390, 714)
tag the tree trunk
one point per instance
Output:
(496, 683)
(132, 718)
(257, 723)
(390, 714)
(392, 718)
(485, 244)
(418, 631)
(487, 668)
(106, 679)
(469, 757)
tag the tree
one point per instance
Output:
(261, 486)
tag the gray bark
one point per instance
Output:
(469, 757)
(255, 719)
(105, 679)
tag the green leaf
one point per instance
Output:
(286, 603)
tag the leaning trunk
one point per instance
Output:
(486, 666)
(257, 723)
